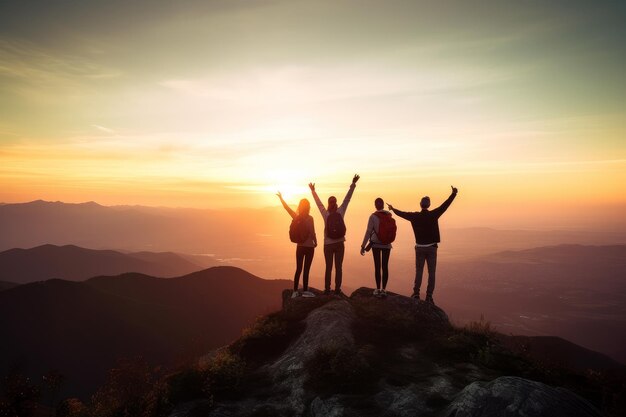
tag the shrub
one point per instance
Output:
(481, 327)
(124, 393)
(186, 386)
(18, 394)
(266, 338)
(71, 407)
(224, 374)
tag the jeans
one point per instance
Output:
(426, 255)
(381, 256)
(335, 250)
(304, 257)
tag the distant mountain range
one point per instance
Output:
(558, 352)
(573, 291)
(4, 285)
(82, 328)
(133, 228)
(76, 264)
(254, 239)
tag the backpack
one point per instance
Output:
(298, 230)
(335, 227)
(387, 228)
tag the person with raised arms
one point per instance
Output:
(334, 234)
(301, 232)
(425, 225)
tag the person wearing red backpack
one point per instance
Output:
(301, 232)
(425, 225)
(381, 231)
(334, 234)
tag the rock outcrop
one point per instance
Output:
(327, 328)
(518, 397)
(368, 356)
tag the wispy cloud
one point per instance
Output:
(299, 85)
(30, 63)
(104, 129)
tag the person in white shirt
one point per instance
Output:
(381, 251)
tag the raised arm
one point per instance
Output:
(289, 210)
(346, 200)
(442, 208)
(319, 203)
(399, 213)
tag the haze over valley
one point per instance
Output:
(565, 283)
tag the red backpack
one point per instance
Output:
(387, 227)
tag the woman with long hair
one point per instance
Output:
(302, 232)
(334, 234)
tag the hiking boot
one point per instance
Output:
(376, 291)
(308, 294)
(429, 299)
(295, 294)
(416, 295)
(326, 292)
(338, 291)
(383, 292)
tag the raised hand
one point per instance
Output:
(454, 190)
(389, 206)
(355, 178)
(279, 195)
(312, 186)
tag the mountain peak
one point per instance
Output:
(363, 355)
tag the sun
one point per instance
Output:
(290, 182)
(292, 193)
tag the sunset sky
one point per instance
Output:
(521, 105)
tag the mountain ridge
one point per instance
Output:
(82, 328)
(76, 263)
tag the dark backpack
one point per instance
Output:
(335, 227)
(386, 228)
(298, 230)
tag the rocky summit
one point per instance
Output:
(362, 355)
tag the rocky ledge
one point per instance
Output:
(366, 356)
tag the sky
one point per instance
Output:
(218, 104)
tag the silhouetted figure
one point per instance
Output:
(302, 232)
(426, 229)
(380, 232)
(334, 234)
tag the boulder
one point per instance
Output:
(299, 307)
(518, 397)
(330, 407)
(420, 314)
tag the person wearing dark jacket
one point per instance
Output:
(425, 225)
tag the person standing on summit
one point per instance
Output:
(334, 234)
(301, 232)
(426, 229)
(380, 232)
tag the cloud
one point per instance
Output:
(29, 63)
(306, 84)
(104, 129)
